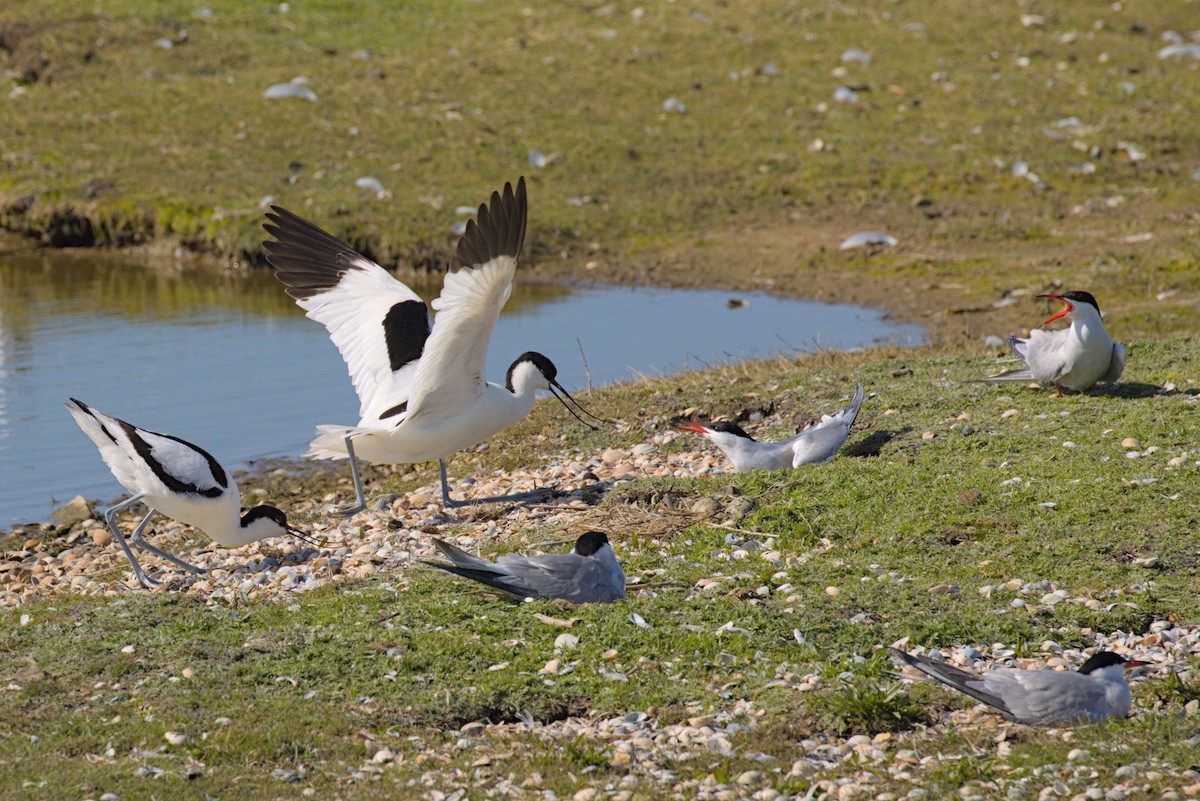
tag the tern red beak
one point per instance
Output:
(1133, 663)
(695, 428)
(1068, 307)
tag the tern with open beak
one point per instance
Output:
(818, 443)
(1095, 692)
(1076, 357)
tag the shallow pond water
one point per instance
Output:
(229, 362)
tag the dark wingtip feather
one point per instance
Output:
(485, 577)
(307, 259)
(497, 230)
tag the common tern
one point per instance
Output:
(1076, 357)
(588, 573)
(1093, 693)
(178, 479)
(818, 443)
(420, 385)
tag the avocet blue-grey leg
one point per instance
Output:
(360, 502)
(110, 517)
(136, 539)
(450, 503)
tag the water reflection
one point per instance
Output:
(228, 361)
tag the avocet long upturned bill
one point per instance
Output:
(816, 444)
(178, 479)
(420, 385)
(588, 573)
(1095, 692)
(1076, 357)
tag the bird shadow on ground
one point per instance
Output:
(872, 445)
(1130, 390)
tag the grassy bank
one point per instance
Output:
(111, 138)
(919, 515)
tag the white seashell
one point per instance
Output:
(674, 104)
(638, 621)
(844, 94)
(537, 159)
(864, 238)
(296, 87)
(1180, 50)
(769, 69)
(369, 182)
(856, 55)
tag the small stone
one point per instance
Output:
(175, 738)
(222, 721)
(188, 673)
(928, 434)
(586, 794)
(383, 755)
(706, 507)
(832, 591)
(128, 649)
(471, 729)
(73, 511)
(749, 778)
(565, 642)
(552, 667)
(1009, 413)
(1130, 442)
(1079, 755)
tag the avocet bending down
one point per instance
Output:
(178, 479)
(420, 385)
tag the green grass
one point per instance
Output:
(317, 683)
(118, 142)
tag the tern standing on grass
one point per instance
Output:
(1076, 357)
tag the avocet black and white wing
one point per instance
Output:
(137, 456)
(379, 325)
(450, 372)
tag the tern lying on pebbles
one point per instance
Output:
(1095, 692)
(588, 573)
(420, 385)
(178, 479)
(1076, 357)
(818, 443)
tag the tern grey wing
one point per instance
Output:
(821, 442)
(569, 577)
(1117, 365)
(495, 576)
(1052, 697)
(966, 683)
